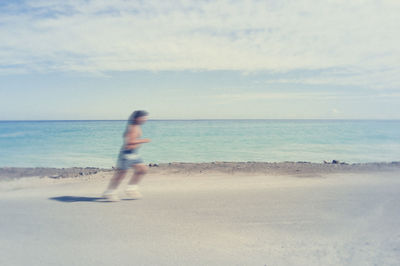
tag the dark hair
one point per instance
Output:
(132, 119)
(135, 115)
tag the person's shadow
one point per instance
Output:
(78, 199)
(81, 199)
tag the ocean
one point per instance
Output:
(97, 143)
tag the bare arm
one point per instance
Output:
(138, 141)
(132, 140)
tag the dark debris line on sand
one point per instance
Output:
(16, 172)
(275, 168)
(221, 167)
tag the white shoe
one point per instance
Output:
(110, 195)
(133, 192)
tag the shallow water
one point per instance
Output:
(96, 143)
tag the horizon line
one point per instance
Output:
(201, 119)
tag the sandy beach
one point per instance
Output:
(271, 132)
(212, 214)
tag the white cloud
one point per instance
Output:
(273, 95)
(375, 78)
(358, 37)
(335, 111)
(290, 95)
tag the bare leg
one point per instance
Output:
(116, 179)
(140, 171)
(132, 189)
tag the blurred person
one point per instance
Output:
(129, 158)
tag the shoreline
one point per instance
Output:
(266, 168)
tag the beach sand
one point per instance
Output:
(206, 216)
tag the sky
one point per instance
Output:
(250, 59)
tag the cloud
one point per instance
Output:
(335, 111)
(359, 38)
(291, 95)
(274, 95)
(379, 78)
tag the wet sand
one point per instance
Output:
(213, 217)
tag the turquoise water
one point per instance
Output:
(96, 143)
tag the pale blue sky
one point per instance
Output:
(199, 59)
